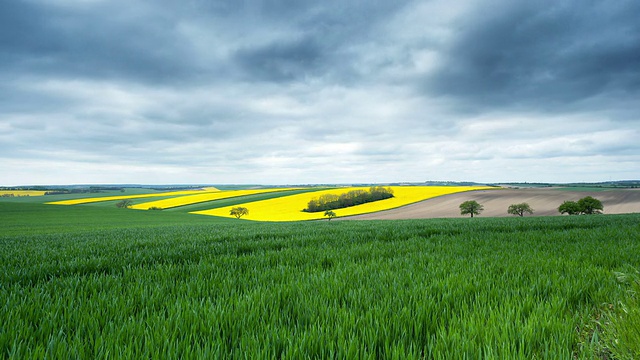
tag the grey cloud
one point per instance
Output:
(15, 100)
(22, 29)
(270, 40)
(282, 61)
(94, 42)
(312, 40)
(542, 54)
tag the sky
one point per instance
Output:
(313, 92)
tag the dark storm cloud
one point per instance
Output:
(141, 41)
(542, 54)
(101, 41)
(316, 40)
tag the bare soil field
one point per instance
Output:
(544, 202)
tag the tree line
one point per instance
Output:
(587, 206)
(351, 198)
(89, 190)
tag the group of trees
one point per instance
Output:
(587, 205)
(354, 197)
(472, 207)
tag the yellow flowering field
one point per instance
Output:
(289, 208)
(21, 193)
(198, 198)
(141, 196)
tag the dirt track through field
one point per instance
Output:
(544, 202)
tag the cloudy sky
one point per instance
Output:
(335, 91)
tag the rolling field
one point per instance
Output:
(101, 282)
(545, 202)
(289, 208)
(286, 204)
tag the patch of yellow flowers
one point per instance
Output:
(22, 192)
(199, 198)
(126, 197)
(289, 208)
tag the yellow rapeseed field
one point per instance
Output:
(289, 208)
(21, 193)
(141, 196)
(198, 198)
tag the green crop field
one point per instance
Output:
(95, 282)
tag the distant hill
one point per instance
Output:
(79, 188)
(618, 184)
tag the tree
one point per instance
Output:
(520, 209)
(470, 207)
(589, 205)
(238, 211)
(330, 214)
(569, 207)
(124, 204)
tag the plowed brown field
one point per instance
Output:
(544, 202)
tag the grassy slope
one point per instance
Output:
(79, 281)
(30, 218)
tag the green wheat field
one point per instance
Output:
(96, 282)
